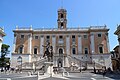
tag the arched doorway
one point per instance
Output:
(60, 62)
(60, 51)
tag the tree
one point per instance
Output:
(4, 51)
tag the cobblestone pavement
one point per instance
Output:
(71, 76)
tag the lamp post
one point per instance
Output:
(19, 60)
(80, 66)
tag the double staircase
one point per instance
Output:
(77, 64)
(35, 65)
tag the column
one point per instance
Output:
(41, 47)
(0, 45)
(79, 44)
(92, 45)
(29, 43)
(14, 43)
(68, 45)
(54, 43)
(108, 46)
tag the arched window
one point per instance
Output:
(61, 15)
(35, 50)
(86, 50)
(60, 51)
(73, 51)
(62, 25)
(100, 48)
(20, 50)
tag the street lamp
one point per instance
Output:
(80, 66)
(19, 61)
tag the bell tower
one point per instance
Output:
(62, 21)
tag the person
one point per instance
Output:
(104, 73)
(94, 70)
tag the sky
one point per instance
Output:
(43, 14)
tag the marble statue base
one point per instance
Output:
(49, 68)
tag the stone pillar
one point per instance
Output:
(14, 43)
(0, 45)
(79, 44)
(92, 44)
(108, 46)
(29, 43)
(41, 47)
(54, 43)
(68, 45)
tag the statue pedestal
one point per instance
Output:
(49, 68)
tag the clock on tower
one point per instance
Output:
(62, 21)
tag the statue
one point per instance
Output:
(48, 52)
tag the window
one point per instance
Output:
(85, 36)
(48, 38)
(73, 51)
(86, 50)
(60, 37)
(100, 49)
(60, 51)
(35, 50)
(62, 25)
(20, 49)
(22, 36)
(61, 41)
(99, 35)
(36, 37)
(73, 38)
(61, 15)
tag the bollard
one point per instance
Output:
(38, 75)
(63, 74)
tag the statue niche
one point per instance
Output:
(48, 52)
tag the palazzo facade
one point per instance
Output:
(83, 43)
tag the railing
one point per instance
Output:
(57, 29)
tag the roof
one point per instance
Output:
(79, 29)
(116, 47)
(117, 31)
(2, 32)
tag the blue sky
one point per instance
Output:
(43, 13)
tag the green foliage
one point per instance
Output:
(4, 51)
(4, 62)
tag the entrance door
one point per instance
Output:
(60, 64)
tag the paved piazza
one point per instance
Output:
(71, 76)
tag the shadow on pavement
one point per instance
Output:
(53, 78)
